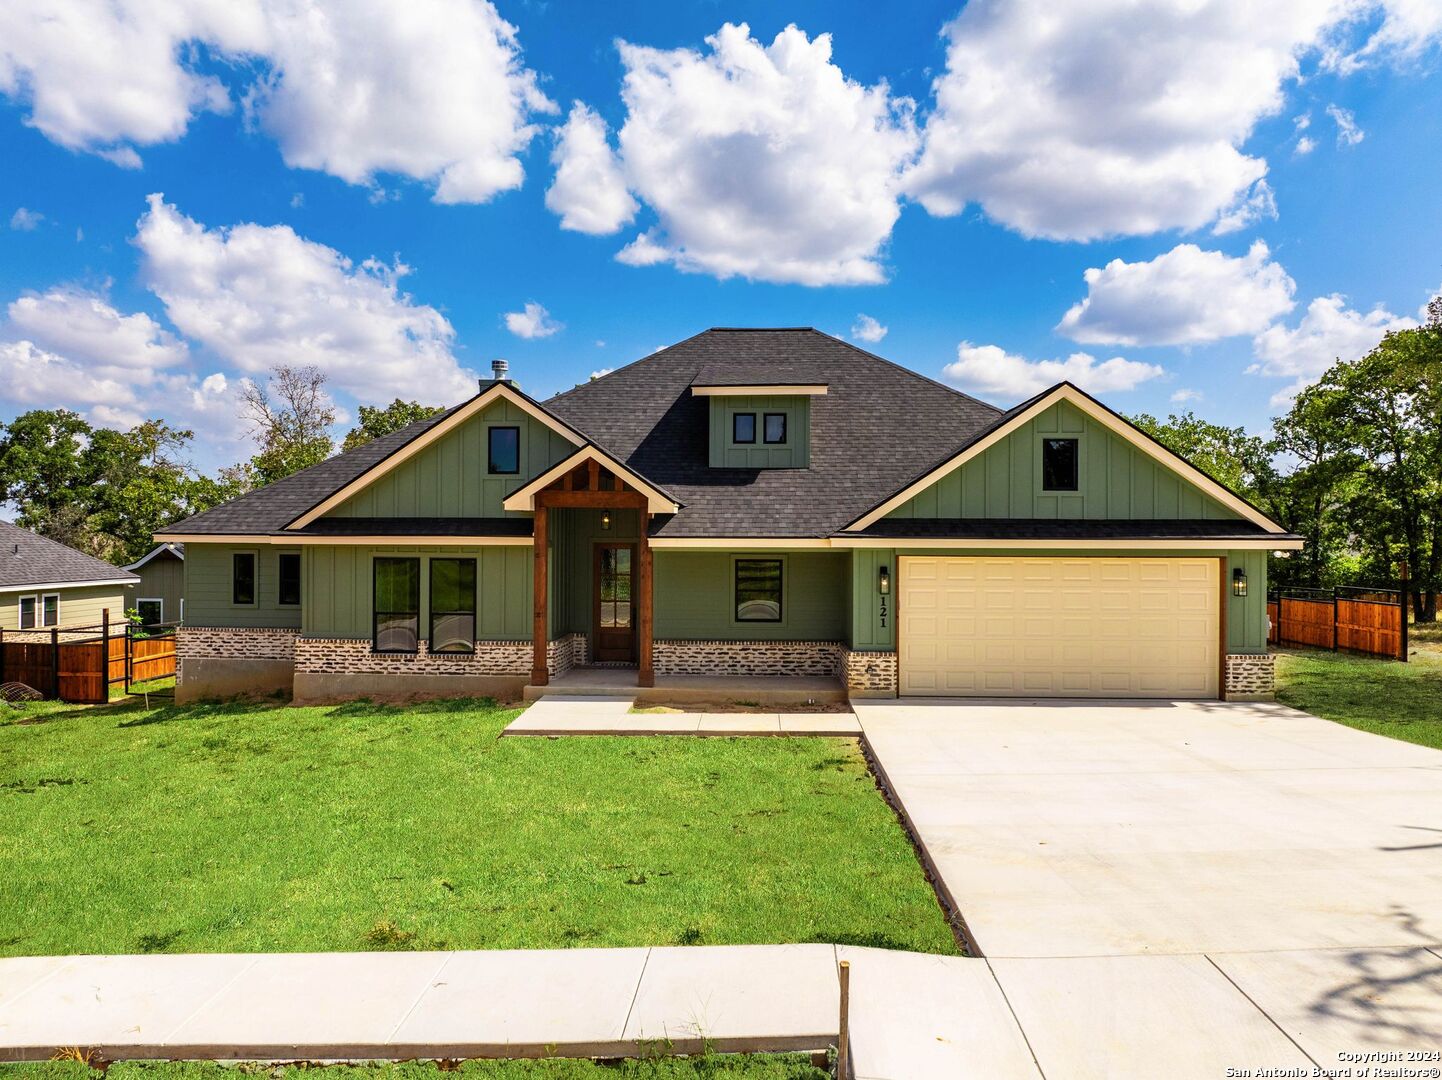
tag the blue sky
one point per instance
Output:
(1252, 196)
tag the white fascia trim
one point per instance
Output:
(211, 538)
(1104, 417)
(739, 543)
(420, 442)
(524, 497)
(1267, 543)
(52, 586)
(787, 389)
(157, 550)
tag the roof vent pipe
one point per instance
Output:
(500, 370)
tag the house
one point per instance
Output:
(44, 585)
(746, 502)
(160, 595)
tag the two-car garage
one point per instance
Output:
(1059, 627)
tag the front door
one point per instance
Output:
(614, 639)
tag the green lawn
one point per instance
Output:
(715, 1067)
(271, 828)
(1387, 697)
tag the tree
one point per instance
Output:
(376, 421)
(41, 467)
(1229, 455)
(294, 432)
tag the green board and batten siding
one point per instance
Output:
(208, 588)
(451, 477)
(695, 597)
(794, 453)
(1115, 480)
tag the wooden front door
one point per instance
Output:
(614, 624)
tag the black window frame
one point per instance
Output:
(470, 647)
(1048, 444)
(377, 614)
(287, 558)
(766, 419)
(736, 615)
(236, 578)
(491, 449)
(735, 438)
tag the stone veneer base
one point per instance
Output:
(229, 661)
(804, 658)
(1251, 677)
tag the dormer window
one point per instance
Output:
(743, 427)
(1059, 465)
(774, 427)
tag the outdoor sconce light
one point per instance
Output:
(1239, 582)
(606, 520)
(883, 580)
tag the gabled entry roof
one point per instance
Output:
(657, 501)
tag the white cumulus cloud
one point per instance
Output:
(85, 327)
(26, 220)
(990, 369)
(1117, 117)
(1185, 296)
(1180, 397)
(261, 296)
(434, 90)
(532, 321)
(1348, 133)
(759, 161)
(1328, 332)
(865, 328)
(589, 192)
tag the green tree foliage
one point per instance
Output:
(376, 421)
(1229, 455)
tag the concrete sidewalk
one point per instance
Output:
(912, 1016)
(612, 715)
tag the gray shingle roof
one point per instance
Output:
(878, 425)
(28, 559)
(748, 371)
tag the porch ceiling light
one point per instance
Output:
(1239, 582)
(883, 580)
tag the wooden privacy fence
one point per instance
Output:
(80, 664)
(1371, 621)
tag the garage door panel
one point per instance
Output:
(1069, 627)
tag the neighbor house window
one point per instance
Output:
(775, 427)
(397, 605)
(1058, 464)
(758, 590)
(453, 606)
(151, 611)
(29, 609)
(743, 427)
(289, 578)
(504, 449)
(242, 578)
(50, 609)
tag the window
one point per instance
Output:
(743, 427)
(29, 607)
(775, 427)
(289, 578)
(242, 578)
(397, 609)
(504, 447)
(758, 590)
(50, 609)
(151, 611)
(453, 606)
(1058, 464)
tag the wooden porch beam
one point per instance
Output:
(539, 635)
(595, 500)
(645, 675)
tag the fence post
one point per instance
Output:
(1402, 609)
(128, 640)
(55, 662)
(843, 1037)
(2, 654)
(1334, 618)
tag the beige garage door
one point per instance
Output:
(1058, 627)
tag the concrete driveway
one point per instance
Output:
(1243, 880)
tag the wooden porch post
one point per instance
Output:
(539, 635)
(645, 676)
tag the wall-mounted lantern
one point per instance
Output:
(606, 520)
(1239, 582)
(883, 580)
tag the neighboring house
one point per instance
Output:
(160, 596)
(44, 584)
(746, 502)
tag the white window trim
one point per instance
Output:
(34, 599)
(152, 600)
(44, 597)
